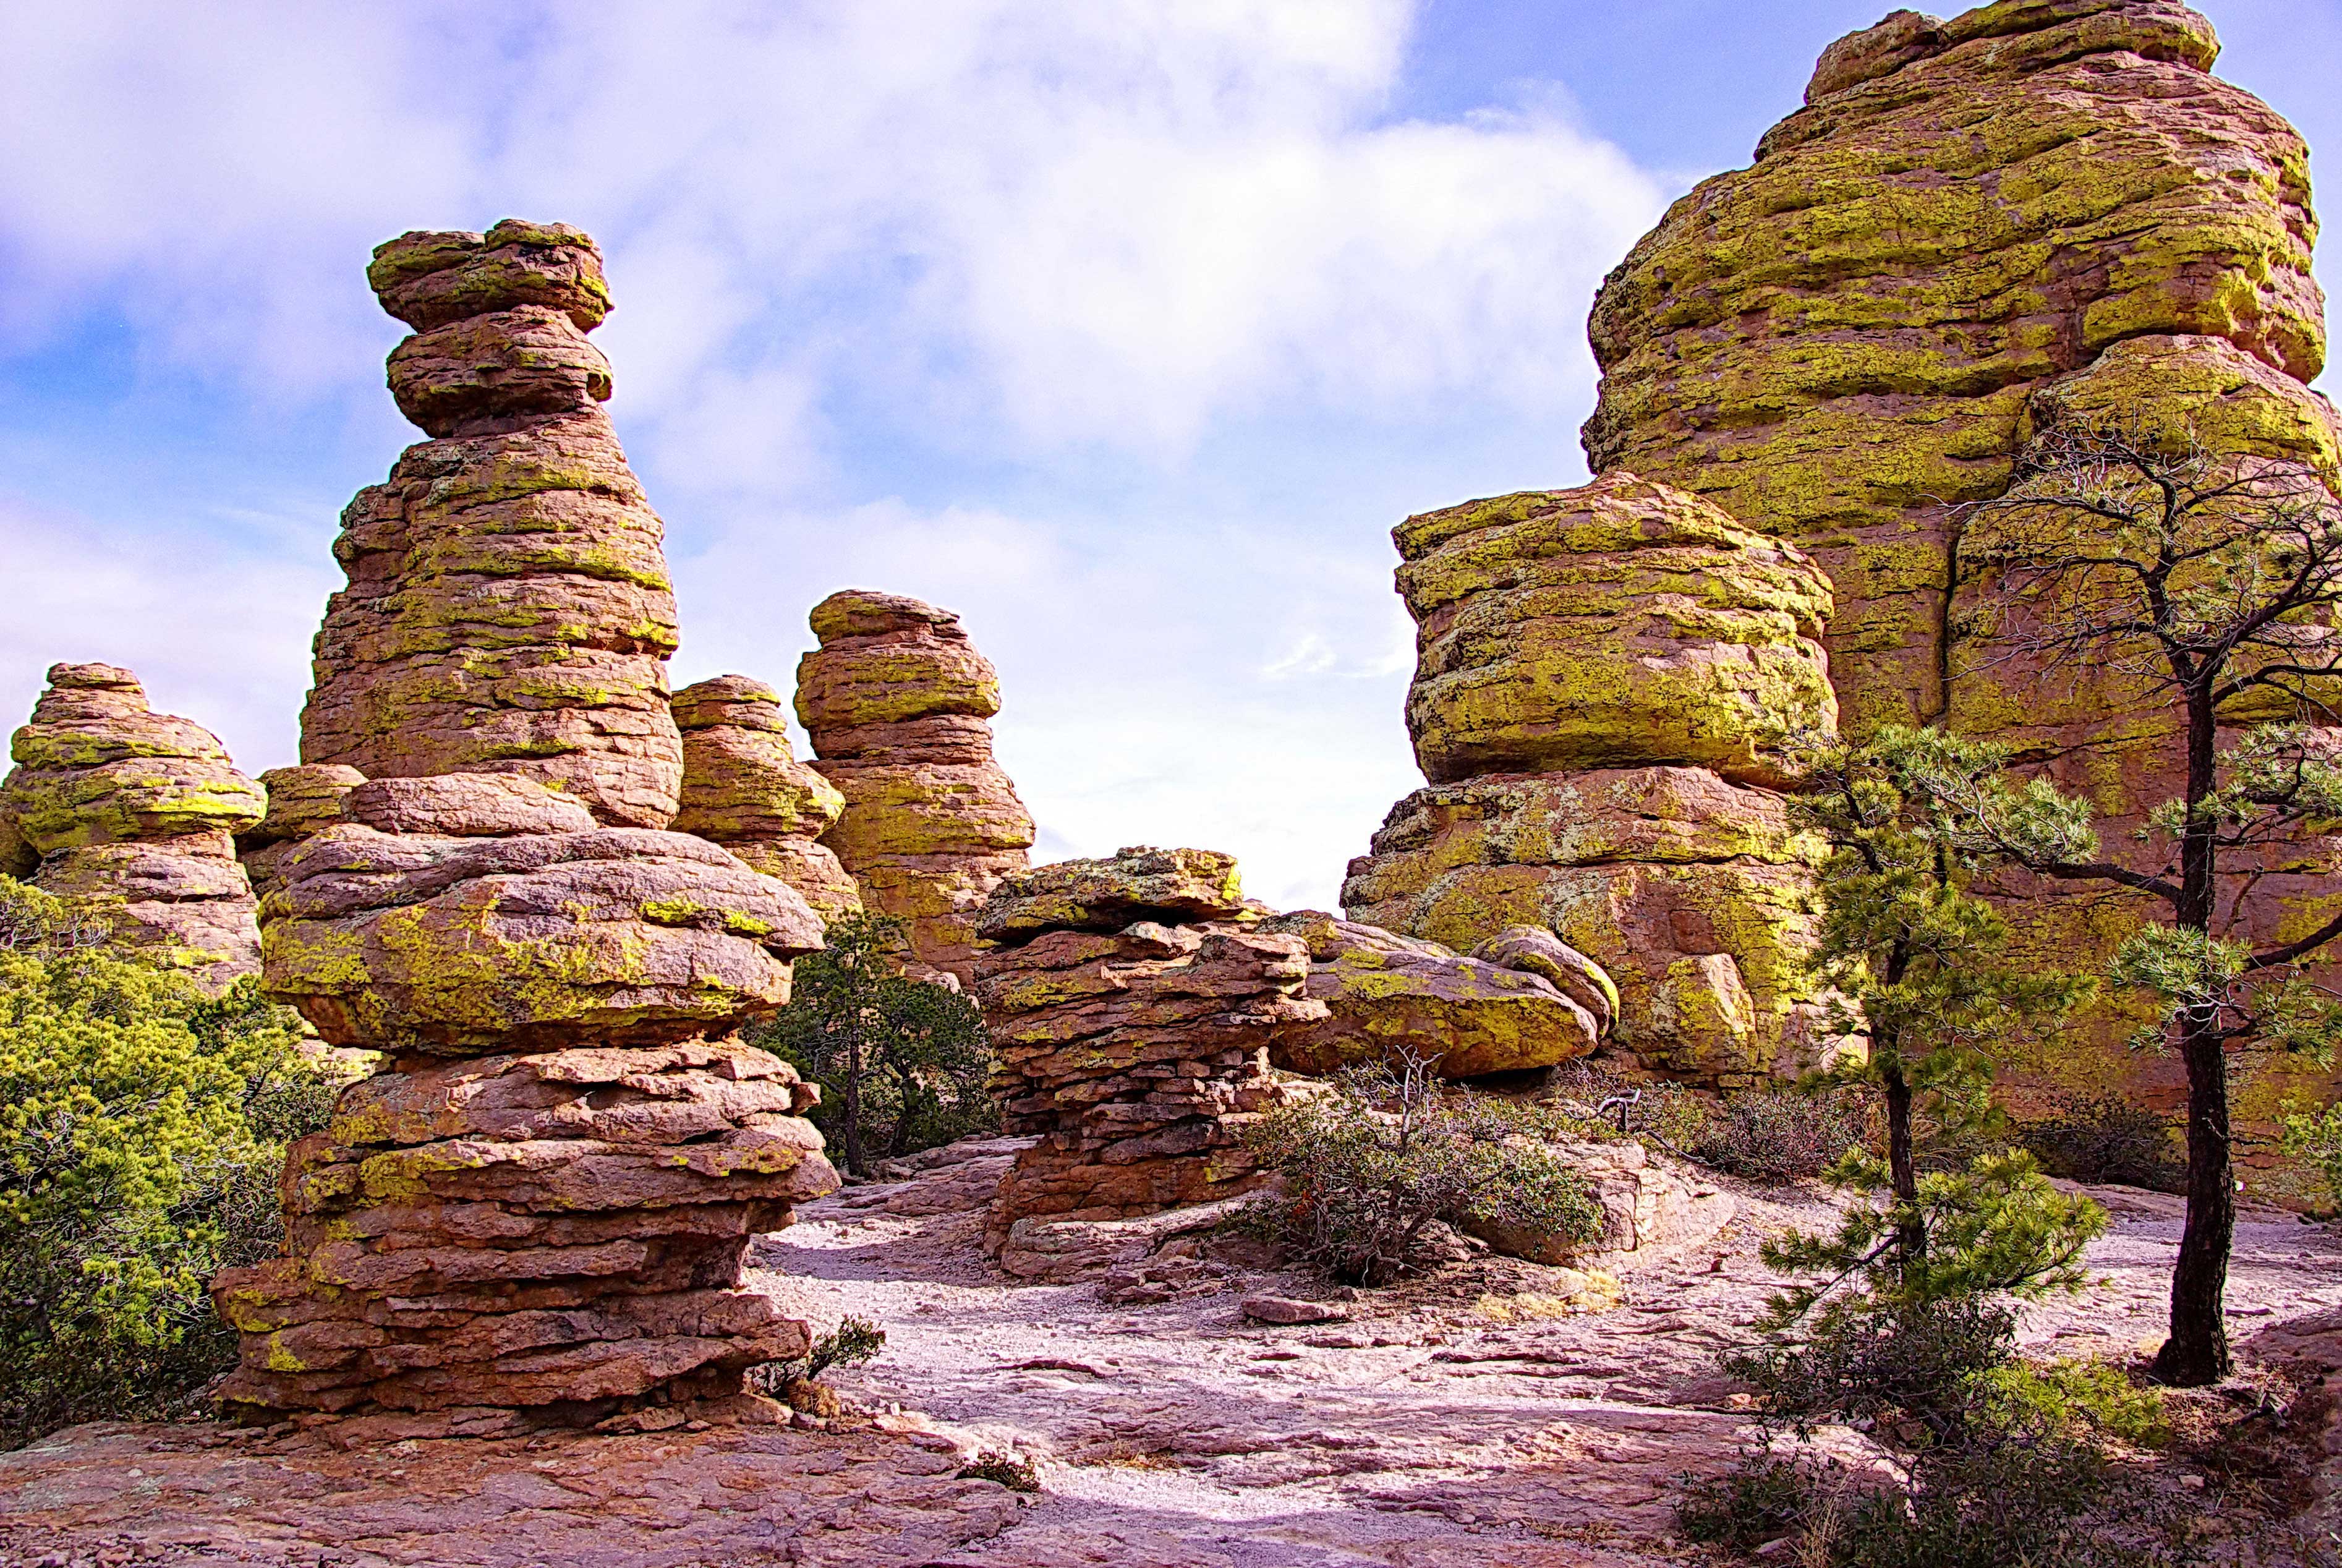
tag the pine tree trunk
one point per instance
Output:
(2196, 1353)
(1903, 1166)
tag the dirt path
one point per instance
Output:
(1428, 1431)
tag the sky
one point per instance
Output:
(1125, 328)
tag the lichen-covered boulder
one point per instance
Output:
(129, 815)
(508, 608)
(1388, 997)
(1690, 893)
(1620, 622)
(744, 788)
(1536, 950)
(898, 702)
(302, 800)
(412, 942)
(1169, 885)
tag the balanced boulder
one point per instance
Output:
(744, 788)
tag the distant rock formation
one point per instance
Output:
(896, 700)
(1132, 1005)
(509, 607)
(744, 788)
(538, 1210)
(1605, 682)
(129, 814)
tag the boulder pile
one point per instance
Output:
(509, 607)
(1131, 1000)
(130, 816)
(744, 788)
(538, 1209)
(1607, 679)
(898, 702)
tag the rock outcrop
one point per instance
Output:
(1606, 680)
(130, 816)
(744, 788)
(898, 702)
(509, 607)
(541, 1204)
(1132, 1034)
(1973, 227)
(1653, 1207)
(1387, 997)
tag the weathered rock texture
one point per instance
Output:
(1652, 1207)
(130, 815)
(744, 788)
(1971, 225)
(1606, 678)
(1388, 995)
(541, 1205)
(509, 607)
(1132, 1033)
(898, 702)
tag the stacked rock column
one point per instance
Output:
(744, 788)
(1605, 679)
(538, 1210)
(129, 815)
(896, 700)
(1133, 1007)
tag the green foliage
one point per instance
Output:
(1363, 1182)
(855, 1341)
(142, 1127)
(2105, 1138)
(2317, 1137)
(901, 1062)
(1999, 1226)
(1779, 1135)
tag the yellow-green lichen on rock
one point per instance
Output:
(744, 788)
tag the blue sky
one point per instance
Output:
(1126, 327)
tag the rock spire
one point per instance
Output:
(509, 607)
(744, 788)
(538, 1210)
(130, 815)
(898, 702)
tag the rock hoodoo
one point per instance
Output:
(898, 702)
(538, 1210)
(744, 788)
(131, 815)
(1607, 678)
(509, 607)
(1133, 1002)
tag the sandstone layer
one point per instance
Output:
(509, 607)
(744, 788)
(538, 1210)
(130, 816)
(1608, 681)
(1133, 1037)
(898, 702)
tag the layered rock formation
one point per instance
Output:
(1132, 1005)
(1606, 681)
(130, 815)
(744, 788)
(1388, 997)
(896, 700)
(509, 607)
(1842, 343)
(541, 1205)
(1973, 227)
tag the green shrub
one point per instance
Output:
(142, 1129)
(1005, 1469)
(1363, 1182)
(2317, 1137)
(2105, 1138)
(901, 1062)
(855, 1341)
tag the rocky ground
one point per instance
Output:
(1457, 1421)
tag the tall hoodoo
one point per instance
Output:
(898, 702)
(130, 815)
(509, 607)
(1605, 680)
(538, 1210)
